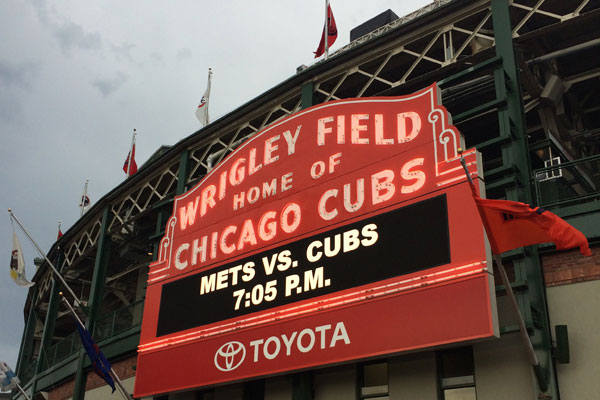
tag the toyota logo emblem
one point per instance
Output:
(230, 356)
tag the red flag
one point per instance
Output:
(133, 168)
(60, 234)
(85, 201)
(331, 33)
(511, 224)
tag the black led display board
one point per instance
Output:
(399, 242)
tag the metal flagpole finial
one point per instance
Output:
(460, 151)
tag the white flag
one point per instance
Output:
(202, 111)
(8, 379)
(17, 264)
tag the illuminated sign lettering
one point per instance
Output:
(290, 253)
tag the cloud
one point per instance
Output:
(184, 54)
(14, 78)
(9, 109)
(68, 34)
(108, 86)
(156, 57)
(123, 52)
(19, 76)
(42, 11)
(71, 36)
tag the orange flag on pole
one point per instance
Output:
(511, 224)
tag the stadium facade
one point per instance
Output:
(520, 80)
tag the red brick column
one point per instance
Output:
(566, 267)
(123, 369)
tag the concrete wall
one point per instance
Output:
(229, 392)
(335, 383)
(278, 388)
(413, 377)
(502, 370)
(105, 392)
(578, 306)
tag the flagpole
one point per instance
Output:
(23, 392)
(122, 389)
(208, 95)
(326, 29)
(131, 153)
(82, 204)
(39, 250)
(533, 360)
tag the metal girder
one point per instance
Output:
(451, 38)
(141, 197)
(96, 295)
(373, 70)
(27, 338)
(81, 244)
(544, 13)
(392, 25)
(438, 45)
(201, 159)
(163, 183)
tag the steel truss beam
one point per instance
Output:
(387, 64)
(543, 13)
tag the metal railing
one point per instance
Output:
(118, 321)
(569, 183)
(63, 349)
(28, 373)
(107, 325)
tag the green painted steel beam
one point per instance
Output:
(588, 223)
(502, 170)
(517, 286)
(510, 181)
(515, 151)
(120, 345)
(490, 105)
(302, 386)
(482, 66)
(497, 141)
(95, 300)
(254, 390)
(49, 325)
(512, 120)
(24, 358)
(184, 166)
(308, 95)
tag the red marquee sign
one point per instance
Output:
(342, 232)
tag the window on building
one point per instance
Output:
(456, 371)
(374, 381)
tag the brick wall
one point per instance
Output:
(567, 267)
(122, 368)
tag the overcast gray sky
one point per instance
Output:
(77, 76)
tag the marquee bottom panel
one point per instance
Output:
(453, 311)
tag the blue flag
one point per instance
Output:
(8, 379)
(99, 362)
